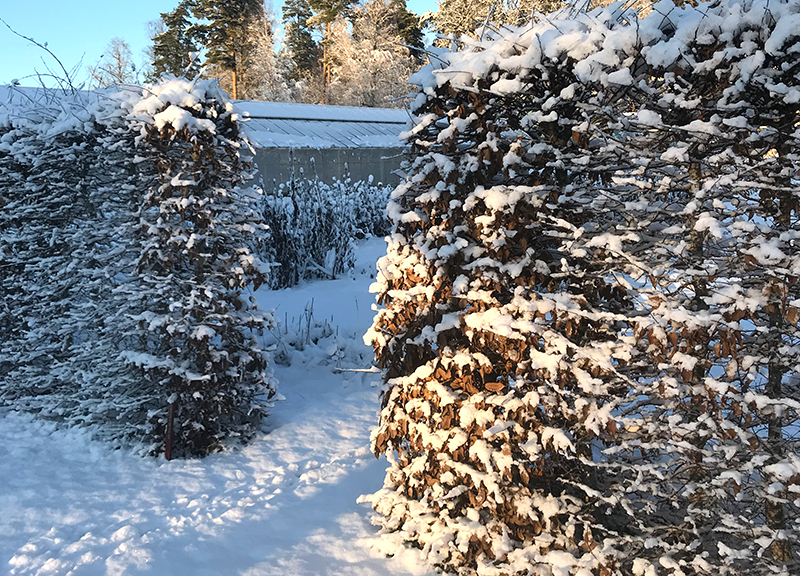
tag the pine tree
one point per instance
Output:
(409, 28)
(326, 11)
(224, 29)
(173, 48)
(300, 46)
(325, 14)
(264, 78)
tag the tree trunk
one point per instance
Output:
(234, 79)
(326, 69)
(774, 512)
(329, 29)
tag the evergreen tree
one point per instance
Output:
(325, 14)
(300, 46)
(173, 48)
(259, 76)
(409, 29)
(224, 29)
(326, 11)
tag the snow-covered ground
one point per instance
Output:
(285, 505)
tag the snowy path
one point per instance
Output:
(284, 505)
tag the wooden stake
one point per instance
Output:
(170, 432)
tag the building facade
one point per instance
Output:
(324, 142)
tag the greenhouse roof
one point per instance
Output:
(289, 125)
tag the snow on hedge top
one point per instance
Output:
(604, 42)
(48, 110)
(169, 102)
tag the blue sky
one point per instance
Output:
(77, 31)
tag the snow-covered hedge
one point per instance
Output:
(313, 225)
(124, 241)
(590, 299)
